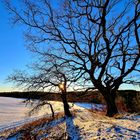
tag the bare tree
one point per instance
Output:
(47, 74)
(38, 104)
(99, 39)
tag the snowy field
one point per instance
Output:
(85, 125)
(98, 107)
(11, 110)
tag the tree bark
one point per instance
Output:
(66, 105)
(110, 103)
(51, 107)
(52, 111)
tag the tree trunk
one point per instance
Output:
(110, 102)
(66, 105)
(52, 111)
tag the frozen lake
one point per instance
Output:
(12, 110)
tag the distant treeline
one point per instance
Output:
(17, 94)
(126, 99)
(92, 96)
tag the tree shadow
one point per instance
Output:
(73, 132)
(124, 132)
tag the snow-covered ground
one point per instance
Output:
(99, 107)
(11, 110)
(87, 125)
(14, 113)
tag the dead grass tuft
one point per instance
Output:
(26, 129)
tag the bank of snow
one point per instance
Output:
(92, 106)
(87, 125)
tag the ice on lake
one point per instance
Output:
(12, 110)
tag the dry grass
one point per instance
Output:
(26, 131)
(28, 127)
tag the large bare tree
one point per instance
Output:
(99, 39)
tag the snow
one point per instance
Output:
(12, 138)
(14, 113)
(72, 130)
(133, 117)
(9, 108)
(99, 107)
(86, 125)
(47, 126)
(97, 126)
(18, 123)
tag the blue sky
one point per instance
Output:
(13, 53)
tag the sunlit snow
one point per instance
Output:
(86, 125)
